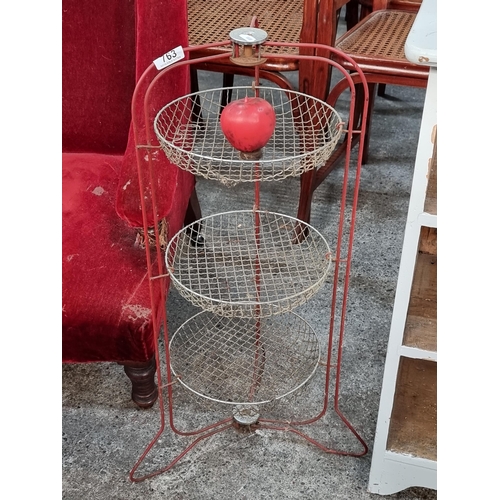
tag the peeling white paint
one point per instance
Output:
(69, 258)
(127, 184)
(98, 191)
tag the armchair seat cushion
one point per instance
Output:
(106, 302)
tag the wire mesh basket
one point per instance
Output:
(252, 263)
(244, 360)
(306, 133)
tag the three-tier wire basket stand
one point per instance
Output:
(249, 270)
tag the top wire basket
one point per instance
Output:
(306, 133)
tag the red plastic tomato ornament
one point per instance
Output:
(248, 123)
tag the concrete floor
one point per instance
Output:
(104, 433)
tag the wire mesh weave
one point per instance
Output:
(251, 264)
(306, 133)
(244, 360)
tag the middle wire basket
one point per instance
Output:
(252, 263)
(306, 133)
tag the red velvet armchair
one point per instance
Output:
(106, 302)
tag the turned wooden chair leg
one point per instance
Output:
(351, 14)
(306, 194)
(371, 101)
(142, 376)
(196, 114)
(307, 186)
(193, 213)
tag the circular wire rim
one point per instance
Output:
(251, 403)
(238, 309)
(213, 174)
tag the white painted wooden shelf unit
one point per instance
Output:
(405, 446)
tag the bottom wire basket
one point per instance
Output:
(244, 360)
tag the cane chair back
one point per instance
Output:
(293, 21)
(377, 43)
(211, 21)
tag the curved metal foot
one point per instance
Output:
(138, 479)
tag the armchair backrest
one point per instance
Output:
(98, 74)
(106, 46)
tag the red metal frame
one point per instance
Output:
(155, 257)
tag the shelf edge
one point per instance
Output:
(417, 353)
(428, 220)
(410, 460)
